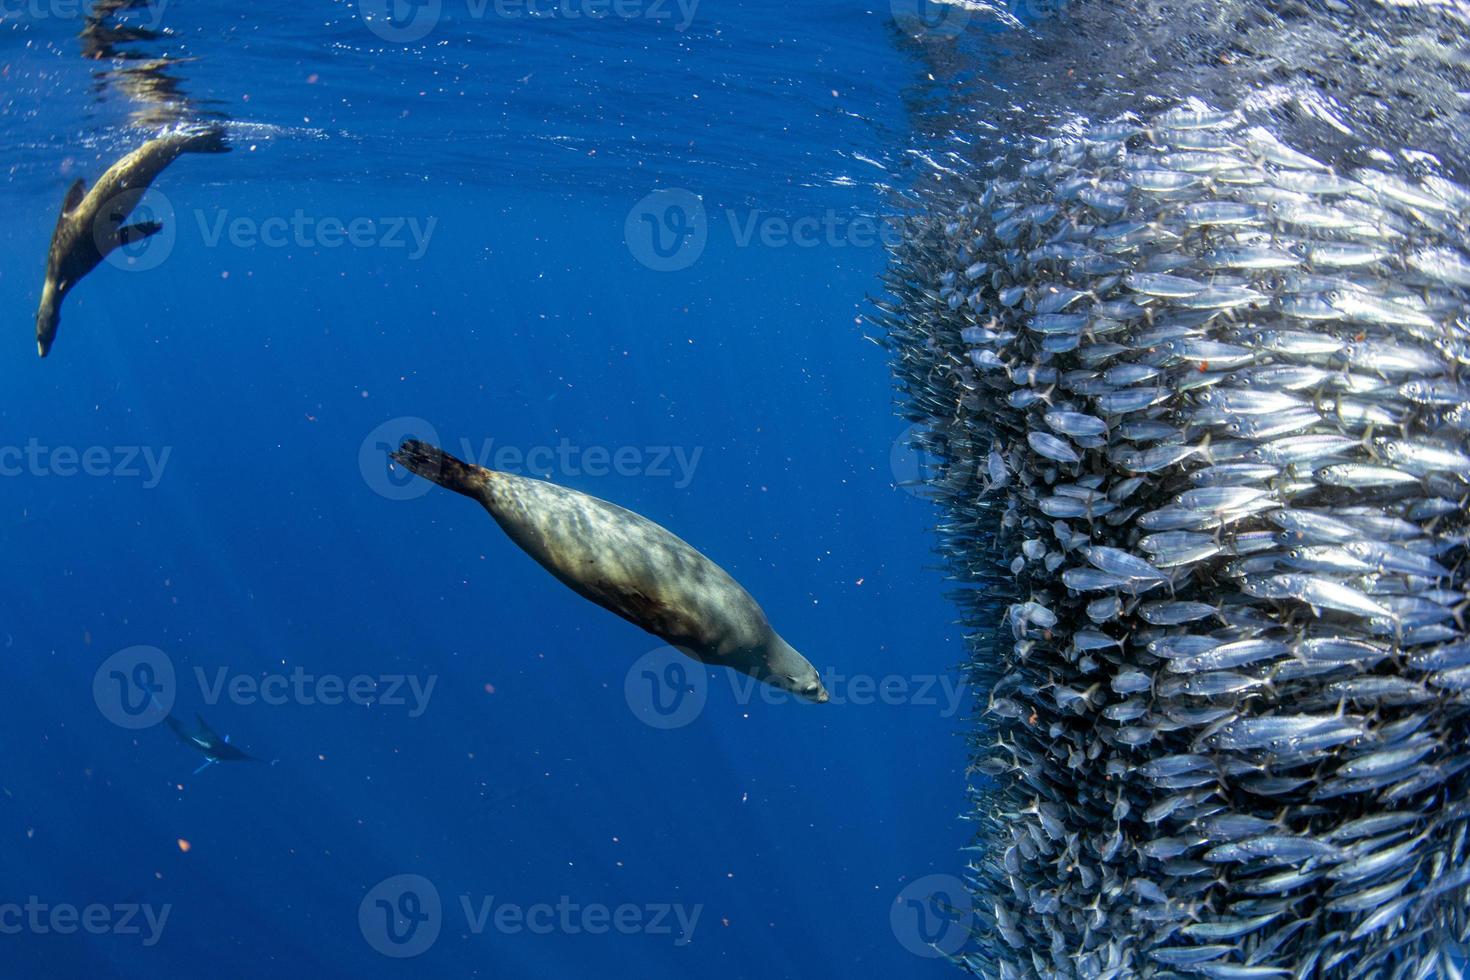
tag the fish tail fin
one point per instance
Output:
(436, 465)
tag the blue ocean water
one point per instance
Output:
(452, 236)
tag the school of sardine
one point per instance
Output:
(1205, 431)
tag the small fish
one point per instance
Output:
(1249, 257)
(1361, 307)
(1075, 423)
(1052, 448)
(1163, 285)
(1115, 561)
(1359, 476)
(1316, 592)
(1446, 266)
(1189, 118)
(1220, 213)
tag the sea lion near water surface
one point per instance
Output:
(630, 565)
(91, 223)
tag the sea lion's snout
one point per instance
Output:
(48, 319)
(807, 688)
(45, 333)
(792, 672)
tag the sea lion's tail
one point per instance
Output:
(435, 464)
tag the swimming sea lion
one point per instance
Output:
(630, 565)
(91, 223)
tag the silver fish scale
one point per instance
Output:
(1234, 482)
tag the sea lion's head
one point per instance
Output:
(781, 666)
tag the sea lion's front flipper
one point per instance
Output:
(74, 197)
(128, 234)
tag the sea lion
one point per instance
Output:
(91, 223)
(630, 565)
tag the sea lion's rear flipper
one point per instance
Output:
(435, 464)
(210, 140)
(128, 234)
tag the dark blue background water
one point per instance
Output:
(267, 545)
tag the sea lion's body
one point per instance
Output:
(91, 223)
(631, 566)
